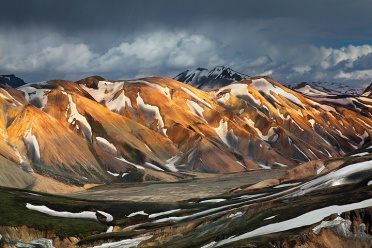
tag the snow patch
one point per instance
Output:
(163, 90)
(271, 217)
(163, 213)
(363, 137)
(285, 185)
(266, 137)
(114, 174)
(195, 109)
(212, 200)
(152, 166)
(9, 97)
(137, 213)
(109, 217)
(192, 94)
(48, 211)
(339, 221)
(227, 136)
(170, 163)
(237, 214)
(126, 161)
(32, 145)
(338, 177)
(239, 90)
(306, 219)
(107, 146)
(360, 154)
(266, 87)
(76, 116)
(320, 170)
(151, 112)
(37, 97)
(242, 165)
(126, 243)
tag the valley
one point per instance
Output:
(154, 162)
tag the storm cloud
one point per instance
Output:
(288, 40)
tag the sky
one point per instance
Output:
(288, 40)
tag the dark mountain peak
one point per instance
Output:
(204, 79)
(11, 80)
(368, 91)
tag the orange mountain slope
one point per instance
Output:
(98, 131)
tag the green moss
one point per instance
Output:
(134, 155)
(96, 126)
(135, 175)
(14, 213)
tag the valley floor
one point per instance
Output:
(204, 185)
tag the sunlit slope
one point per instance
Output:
(193, 120)
(99, 131)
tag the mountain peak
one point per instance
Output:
(11, 80)
(204, 79)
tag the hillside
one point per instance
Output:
(302, 159)
(150, 128)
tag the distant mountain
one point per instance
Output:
(11, 80)
(332, 88)
(368, 91)
(204, 79)
(358, 103)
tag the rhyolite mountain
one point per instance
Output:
(303, 159)
(96, 131)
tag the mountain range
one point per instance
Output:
(150, 128)
(229, 160)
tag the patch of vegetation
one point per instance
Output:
(96, 126)
(134, 155)
(14, 213)
(149, 177)
(135, 175)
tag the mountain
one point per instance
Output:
(368, 91)
(302, 159)
(152, 128)
(11, 80)
(204, 79)
(331, 88)
(360, 103)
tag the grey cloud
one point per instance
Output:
(364, 62)
(290, 40)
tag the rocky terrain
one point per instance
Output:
(157, 162)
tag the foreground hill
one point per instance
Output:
(96, 131)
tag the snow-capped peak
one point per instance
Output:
(217, 77)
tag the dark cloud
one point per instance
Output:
(289, 40)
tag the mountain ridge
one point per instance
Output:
(203, 79)
(153, 127)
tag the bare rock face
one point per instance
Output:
(21, 236)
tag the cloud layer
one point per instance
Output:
(290, 40)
